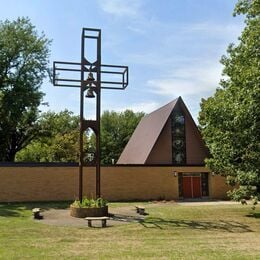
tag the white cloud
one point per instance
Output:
(171, 87)
(146, 107)
(136, 29)
(202, 41)
(187, 81)
(121, 8)
(149, 58)
(208, 73)
(214, 30)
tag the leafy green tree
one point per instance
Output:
(230, 119)
(60, 142)
(116, 130)
(23, 66)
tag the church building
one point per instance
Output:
(163, 160)
(169, 136)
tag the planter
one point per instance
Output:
(88, 212)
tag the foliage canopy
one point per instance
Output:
(116, 130)
(60, 142)
(230, 119)
(60, 139)
(23, 66)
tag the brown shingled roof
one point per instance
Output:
(145, 135)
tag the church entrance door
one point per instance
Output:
(191, 185)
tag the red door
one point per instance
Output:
(187, 186)
(191, 186)
(196, 187)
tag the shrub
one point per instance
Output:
(90, 203)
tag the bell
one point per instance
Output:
(90, 93)
(90, 77)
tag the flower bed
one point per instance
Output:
(89, 208)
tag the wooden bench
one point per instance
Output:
(37, 213)
(102, 219)
(140, 210)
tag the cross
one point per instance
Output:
(86, 75)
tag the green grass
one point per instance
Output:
(168, 232)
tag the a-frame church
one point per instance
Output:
(169, 136)
(166, 136)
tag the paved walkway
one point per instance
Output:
(206, 202)
(119, 215)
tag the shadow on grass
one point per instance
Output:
(254, 215)
(126, 218)
(17, 209)
(9, 211)
(223, 225)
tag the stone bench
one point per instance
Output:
(140, 210)
(102, 219)
(37, 213)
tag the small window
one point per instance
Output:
(204, 184)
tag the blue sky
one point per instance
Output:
(172, 47)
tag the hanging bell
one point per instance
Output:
(90, 93)
(90, 77)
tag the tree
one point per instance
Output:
(229, 120)
(116, 130)
(23, 66)
(60, 142)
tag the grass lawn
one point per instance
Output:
(169, 232)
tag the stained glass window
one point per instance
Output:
(178, 138)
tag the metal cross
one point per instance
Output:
(86, 75)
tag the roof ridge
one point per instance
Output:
(144, 131)
(163, 107)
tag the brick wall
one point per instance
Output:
(217, 187)
(117, 183)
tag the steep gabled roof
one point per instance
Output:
(145, 135)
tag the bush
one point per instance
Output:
(90, 203)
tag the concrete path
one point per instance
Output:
(206, 203)
(119, 215)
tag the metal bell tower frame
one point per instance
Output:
(87, 75)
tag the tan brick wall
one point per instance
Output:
(37, 183)
(143, 183)
(117, 183)
(218, 187)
